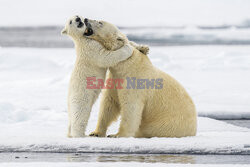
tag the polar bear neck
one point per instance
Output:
(85, 48)
(84, 64)
(87, 45)
(136, 61)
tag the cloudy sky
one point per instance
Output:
(125, 12)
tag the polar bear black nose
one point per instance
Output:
(80, 24)
(78, 19)
(86, 20)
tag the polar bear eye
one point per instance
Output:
(100, 23)
(70, 22)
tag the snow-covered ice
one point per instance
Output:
(217, 77)
(214, 137)
(33, 84)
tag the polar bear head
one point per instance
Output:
(75, 28)
(109, 36)
(105, 33)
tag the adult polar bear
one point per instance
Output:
(92, 61)
(165, 112)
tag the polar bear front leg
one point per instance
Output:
(131, 114)
(111, 58)
(109, 112)
(80, 102)
(79, 114)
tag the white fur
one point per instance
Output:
(166, 112)
(92, 61)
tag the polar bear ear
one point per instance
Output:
(64, 31)
(120, 39)
(120, 42)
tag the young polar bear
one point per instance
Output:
(92, 60)
(151, 103)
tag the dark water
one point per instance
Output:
(242, 123)
(50, 37)
(39, 37)
(148, 158)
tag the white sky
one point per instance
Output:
(125, 12)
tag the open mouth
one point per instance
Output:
(89, 30)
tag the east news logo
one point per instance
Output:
(132, 83)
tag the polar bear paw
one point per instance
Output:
(96, 134)
(113, 136)
(142, 48)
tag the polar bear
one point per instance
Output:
(151, 102)
(92, 60)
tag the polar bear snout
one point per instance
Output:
(79, 22)
(80, 25)
(86, 20)
(78, 19)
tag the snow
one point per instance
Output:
(217, 77)
(214, 137)
(111, 164)
(33, 84)
(124, 13)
